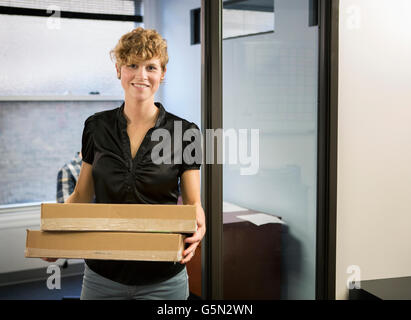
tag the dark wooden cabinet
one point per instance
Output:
(251, 257)
(194, 273)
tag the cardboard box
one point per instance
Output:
(118, 217)
(105, 245)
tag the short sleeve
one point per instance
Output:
(87, 141)
(192, 151)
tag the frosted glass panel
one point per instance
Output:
(39, 56)
(270, 84)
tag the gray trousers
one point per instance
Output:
(96, 287)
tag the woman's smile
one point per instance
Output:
(140, 86)
(144, 76)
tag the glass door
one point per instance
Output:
(269, 171)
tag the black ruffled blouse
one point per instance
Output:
(120, 179)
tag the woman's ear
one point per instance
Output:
(118, 72)
(163, 75)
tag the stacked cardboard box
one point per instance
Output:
(112, 231)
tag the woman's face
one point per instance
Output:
(141, 80)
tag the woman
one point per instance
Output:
(118, 167)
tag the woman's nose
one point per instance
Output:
(141, 73)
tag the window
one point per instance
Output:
(55, 56)
(50, 66)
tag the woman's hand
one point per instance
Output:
(190, 193)
(196, 238)
(49, 259)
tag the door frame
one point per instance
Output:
(327, 149)
(211, 175)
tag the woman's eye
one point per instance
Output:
(132, 66)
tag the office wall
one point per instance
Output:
(181, 91)
(374, 144)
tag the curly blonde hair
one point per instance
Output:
(139, 45)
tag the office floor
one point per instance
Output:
(37, 290)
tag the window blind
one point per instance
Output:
(119, 7)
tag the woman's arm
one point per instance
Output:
(84, 189)
(190, 192)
